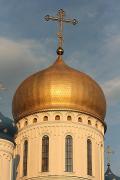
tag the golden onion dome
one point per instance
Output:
(59, 87)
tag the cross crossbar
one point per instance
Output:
(60, 18)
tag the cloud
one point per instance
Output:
(103, 65)
(11, 50)
(112, 93)
(18, 60)
(112, 44)
(112, 89)
(21, 57)
(111, 54)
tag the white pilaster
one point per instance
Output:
(6, 155)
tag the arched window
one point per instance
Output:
(79, 119)
(89, 122)
(89, 157)
(45, 153)
(68, 154)
(25, 123)
(25, 156)
(69, 118)
(96, 125)
(45, 118)
(35, 120)
(57, 117)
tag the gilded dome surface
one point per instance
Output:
(59, 87)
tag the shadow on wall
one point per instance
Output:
(16, 161)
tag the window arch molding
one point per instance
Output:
(57, 117)
(70, 114)
(80, 119)
(89, 122)
(57, 113)
(69, 118)
(25, 123)
(45, 114)
(69, 134)
(79, 115)
(97, 125)
(35, 116)
(45, 118)
(35, 120)
(45, 134)
(24, 139)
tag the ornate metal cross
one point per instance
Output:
(109, 152)
(61, 20)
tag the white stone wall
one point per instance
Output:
(34, 129)
(6, 155)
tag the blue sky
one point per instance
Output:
(28, 44)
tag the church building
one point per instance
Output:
(109, 174)
(59, 125)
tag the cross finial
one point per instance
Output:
(60, 18)
(109, 153)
